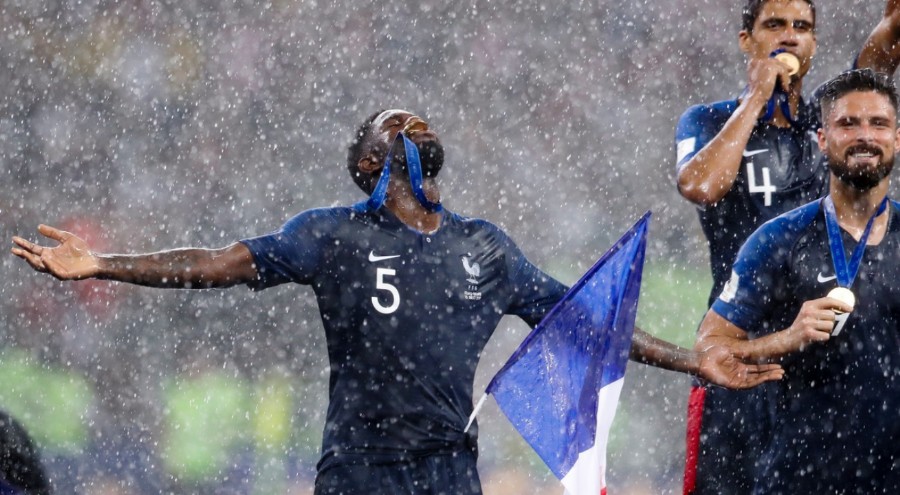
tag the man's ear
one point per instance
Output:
(369, 164)
(744, 41)
(823, 141)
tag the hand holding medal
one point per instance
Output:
(779, 96)
(789, 59)
(843, 295)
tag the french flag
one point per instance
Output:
(561, 386)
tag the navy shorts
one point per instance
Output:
(439, 474)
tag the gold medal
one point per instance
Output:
(790, 60)
(844, 295)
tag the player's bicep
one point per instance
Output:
(233, 265)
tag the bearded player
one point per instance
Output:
(743, 162)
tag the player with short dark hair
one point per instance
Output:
(816, 288)
(752, 9)
(743, 162)
(409, 294)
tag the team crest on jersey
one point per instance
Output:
(473, 270)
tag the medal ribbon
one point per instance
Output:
(413, 166)
(845, 271)
(780, 98)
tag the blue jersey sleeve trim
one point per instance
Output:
(293, 253)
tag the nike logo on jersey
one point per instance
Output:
(749, 153)
(373, 258)
(822, 278)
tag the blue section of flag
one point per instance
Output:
(549, 387)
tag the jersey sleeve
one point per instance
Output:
(293, 252)
(533, 293)
(759, 274)
(698, 126)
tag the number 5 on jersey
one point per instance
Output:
(381, 284)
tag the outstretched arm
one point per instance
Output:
(881, 51)
(188, 268)
(715, 363)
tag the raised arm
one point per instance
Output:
(715, 363)
(813, 323)
(881, 51)
(187, 268)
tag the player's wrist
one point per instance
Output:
(756, 98)
(102, 267)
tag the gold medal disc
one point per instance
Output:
(790, 60)
(844, 295)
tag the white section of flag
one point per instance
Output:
(588, 475)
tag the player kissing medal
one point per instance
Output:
(779, 96)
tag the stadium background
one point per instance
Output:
(144, 125)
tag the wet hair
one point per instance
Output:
(357, 149)
(855, 80)
(753, 7)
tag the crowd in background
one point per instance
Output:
(143, 125)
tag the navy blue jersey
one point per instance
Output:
(781, 169)
(835, 427)
(406, 317)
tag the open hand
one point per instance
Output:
(720, 367)
(70, 260)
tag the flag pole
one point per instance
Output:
(475, 412)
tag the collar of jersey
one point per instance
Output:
(386, 218)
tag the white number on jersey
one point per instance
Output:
(839, 319)
(766, 187)
(380, 284)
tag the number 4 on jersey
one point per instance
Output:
(765, 188)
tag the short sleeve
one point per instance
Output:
(697, 126)
(292, 253)
(760, 271)
(533, 292)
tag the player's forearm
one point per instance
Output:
(648, 349)
(188, 268)
(761, 349)
(710, 174)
